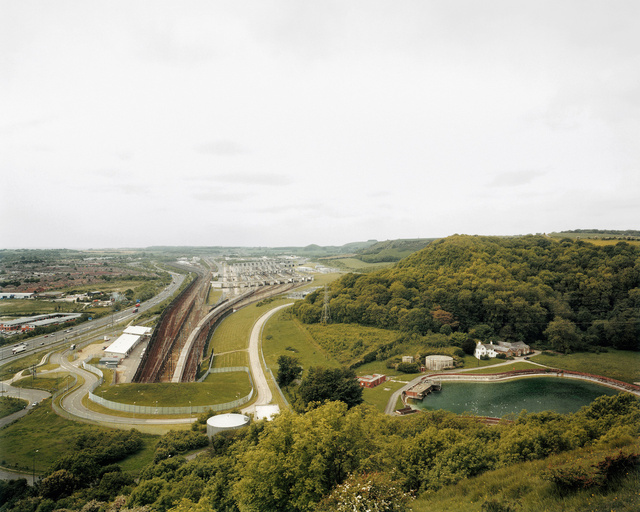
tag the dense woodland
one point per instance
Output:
(329, 456)
(568, 295)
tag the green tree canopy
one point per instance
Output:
(289, 369)
(330, 384)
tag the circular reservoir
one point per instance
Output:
(496, 399)
(223, 422)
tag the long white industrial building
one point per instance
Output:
(123, 346)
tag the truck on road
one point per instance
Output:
(19, 348)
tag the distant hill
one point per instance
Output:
(571, 294)
(310, 251)
(598, 234)
(392, 250)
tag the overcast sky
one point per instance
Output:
(137, 123)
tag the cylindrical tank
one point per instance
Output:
(224, 422)
(438, 362)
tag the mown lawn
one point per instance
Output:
(237, 358)
(233, 332)
(379, 396)
(516, 365)
(615, 364)
(47, 382)
(219, 388)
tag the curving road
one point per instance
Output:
(260, 384)
(72, 402)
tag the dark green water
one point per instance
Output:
(497, 399)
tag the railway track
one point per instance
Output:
(172, 331)
(176, 347)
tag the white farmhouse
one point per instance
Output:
(517, 348)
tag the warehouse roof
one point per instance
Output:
(138, 330)
(123, 344)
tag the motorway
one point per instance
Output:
(91, 328)
(54, 342)
(72, 403)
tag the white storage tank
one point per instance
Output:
(437, 363)
(222, 422)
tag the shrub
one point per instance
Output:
(574, 477)
(408, 367)
(367, 492)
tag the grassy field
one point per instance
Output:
(379, 396)
(594, 238)
(49, 382)
(615, 364)
(19, 308)
(321, 280)
(347, 343)
(284, 335)
(237, 358)
(233, 333)
(10, 405)
(45, 431)
(516, 365)
(219, 388)
(10, 369)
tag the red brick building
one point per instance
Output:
(371, 381)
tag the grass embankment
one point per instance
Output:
(43, 430)
(9, 405)
(523, 487)
(615, 364)
(379, 396)
(10, 369)
(284, 335)
(51, 382)
(219, 388)
(515, 365)
(233, 332)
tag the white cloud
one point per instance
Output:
(341, 121)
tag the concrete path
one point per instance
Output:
(260, 384)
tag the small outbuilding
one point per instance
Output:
(371, 381)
